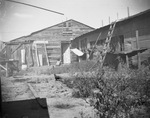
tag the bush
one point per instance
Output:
(121, 94)
(83, 66)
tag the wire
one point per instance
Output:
(34, 6)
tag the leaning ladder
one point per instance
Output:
(107, 42)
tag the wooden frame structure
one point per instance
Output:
(6, 62)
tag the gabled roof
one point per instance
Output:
(51, 27)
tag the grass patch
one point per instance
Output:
(123, 93)
(64, 106)
(82, 66)
(21, 80)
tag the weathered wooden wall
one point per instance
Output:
(64, 31)
(17, 54)
(126, 28)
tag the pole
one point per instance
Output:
(128, 11)
(138, 47)
(37, 56)
(34, 6)
(0, 99)
(127, 61)
(117, 16)
(109, 19)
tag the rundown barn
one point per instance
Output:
(130, 34)
(49, 45)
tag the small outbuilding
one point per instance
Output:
(131, 33)
(50, 46)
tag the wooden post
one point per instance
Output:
(0, 99)
(138, 47)
(31, 55)
(37, 56)
(117, 16)
(7, 69)
(127, 61)
(8, 52)
(41, 59)
(128, 11)
(109, 19)
(46, 54)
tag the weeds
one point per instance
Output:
(123, 94)
(71, 68)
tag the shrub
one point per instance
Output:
(71, 68)
(120, 94)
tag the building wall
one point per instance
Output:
(60, 32)
(17, 54)
(64, 31)
(126, 28)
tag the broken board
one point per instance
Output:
(25, 109)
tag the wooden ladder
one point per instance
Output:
(106, 47)
(106, 44)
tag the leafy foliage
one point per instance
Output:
(116, 94)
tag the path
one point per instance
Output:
(60, 102)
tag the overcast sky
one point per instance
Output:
(18, 20)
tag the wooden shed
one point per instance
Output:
(124, 38)
(58, 37)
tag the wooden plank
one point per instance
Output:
(8, 52)
(3, 67)
(18, 42)
(54, 57)
(127, 61)
(31, 55)
(138, 46)
(95, 44)
(52, 47)
(17, 48)
(32, 90)
(3, 49)
(37, 57)
(31, 108)
(53, 44)
(7, 69)
(46, 54)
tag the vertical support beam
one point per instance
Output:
(61, 51)
(117, 16)
(127, 61)
(138, 47)
(0, 99)
(31, 55)
(7, 69)
(128, 11)
(37, 56)
(46, 54)
(8, 52)
(79, 49)
(41, 59)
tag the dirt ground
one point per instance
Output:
(59, 98)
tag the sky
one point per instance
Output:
(18, 20)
